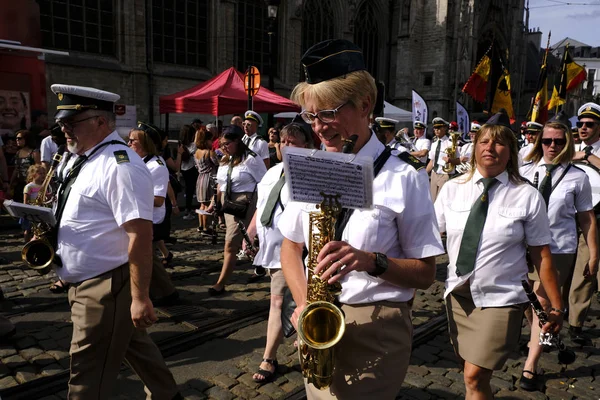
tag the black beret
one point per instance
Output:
(331, 59)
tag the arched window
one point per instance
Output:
(180, 32)
(78, 25)
(317, 24)
(252, 37)
(366, 35)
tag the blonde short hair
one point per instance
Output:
(352, 88)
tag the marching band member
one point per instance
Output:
(576, 138)
(585, 275)
(489, 215)
(567, 192)
(383, 253)
(104, 229)
(531, 132)
(467, 150)
(438, 158)
(386, 133)
(422, 144)
(255, 142)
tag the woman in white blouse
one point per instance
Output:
(484, 298)
(569, 205)
(246, 171)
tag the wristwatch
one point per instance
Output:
(588, 153)
(381, 264)
(557, 310)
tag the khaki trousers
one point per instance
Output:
(104, 336)
(437, 181)
(161, 284)
(372, 358)
(582, 288)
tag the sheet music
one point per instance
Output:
(309, 172)
(29, 212)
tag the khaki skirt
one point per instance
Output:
(233, 234)
(483, 336)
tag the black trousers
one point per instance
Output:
(190, 177)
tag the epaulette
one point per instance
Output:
(526, 164)
(411, 160)
(159, 161)
(576, 167)
(121, 156)
(253, 154)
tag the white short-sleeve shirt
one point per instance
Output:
(244, 176)
(257, 145)
(571, 194)
(401, 225)
(516, 217)
(524, 152)
(270, 238)
(444, 143)
(160, 181)
(423, 143)
(467, 150)
(47, 149)
(396, 145)
(595, 147)
(106, 194)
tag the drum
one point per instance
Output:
(593, 174)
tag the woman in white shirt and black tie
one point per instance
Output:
(490, 215)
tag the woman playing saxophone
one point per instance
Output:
(379, 256)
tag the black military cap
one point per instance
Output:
(154, 133)
(331, 59)
(562, 119)
(500, 118)
(73, 100)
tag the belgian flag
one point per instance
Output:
(571, 75)
(476, 86)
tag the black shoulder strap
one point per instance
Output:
(148, 158)
(411, 160)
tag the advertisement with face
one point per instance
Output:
(14, 111)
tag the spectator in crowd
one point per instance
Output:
(274, 150)
(239, 172)
(196, 124)
(237, 120)
(175, 188)
(50, 144)
(35, 178)
(25, 157)
(3, 168)
(188, 168)
(206, 164)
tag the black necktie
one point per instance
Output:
(465, 263)
(546, 185)
(437, 155)
(266, 219)
(587, 148)
(65, 188)
(246, 140)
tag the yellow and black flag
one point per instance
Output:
(502, 96)
(539, 106)
(571, 75)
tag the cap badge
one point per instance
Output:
(60, 96)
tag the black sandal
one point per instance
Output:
(530, 384)
(59, 286)
(268, 375)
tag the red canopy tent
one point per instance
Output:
(221, 95)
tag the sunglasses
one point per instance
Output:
(589, 124)
(558, 142)
(19, 138)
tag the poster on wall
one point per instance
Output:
(126, 118)
(15, 111)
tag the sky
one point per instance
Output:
(577, 19)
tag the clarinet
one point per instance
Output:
(251, 250)
(565, 355)
(215, 213)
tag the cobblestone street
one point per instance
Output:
(221, 366)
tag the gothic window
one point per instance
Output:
(405, 18)
(78, 25)
(366, 35)
(317, 22)
(180, 32)
(252, 37)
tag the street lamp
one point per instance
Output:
(272, 7)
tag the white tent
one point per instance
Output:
(389, 111)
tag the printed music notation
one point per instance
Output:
(312, 172)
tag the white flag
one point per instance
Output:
(419, 108)
(463, 121)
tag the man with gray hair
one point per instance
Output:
(104, 249)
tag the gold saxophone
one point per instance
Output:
(451, 152)
(38, 253)
(321, 324)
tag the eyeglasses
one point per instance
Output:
(558, 142)
(69, 126)
(589, 124)
(325, 116)
(130, 140)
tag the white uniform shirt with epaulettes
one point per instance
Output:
(401, 225)
(244, 176)
(47, 149)
(516, 217)
(570, 195)
(423, 143)
(467, 150)
(113, 187)
(396, 145)
(444, 142)
(524, 152)
(160, 181)
(270, 238)
(257, 144)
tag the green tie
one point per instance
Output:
(546, 185)
(266, 219)
(465, 263)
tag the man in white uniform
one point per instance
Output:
(532, 130)
(104, 243)
(438, 157)
(422, 144)
(385, 133)
(50, 144)
(252, 121)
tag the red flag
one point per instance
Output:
(476, 86)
